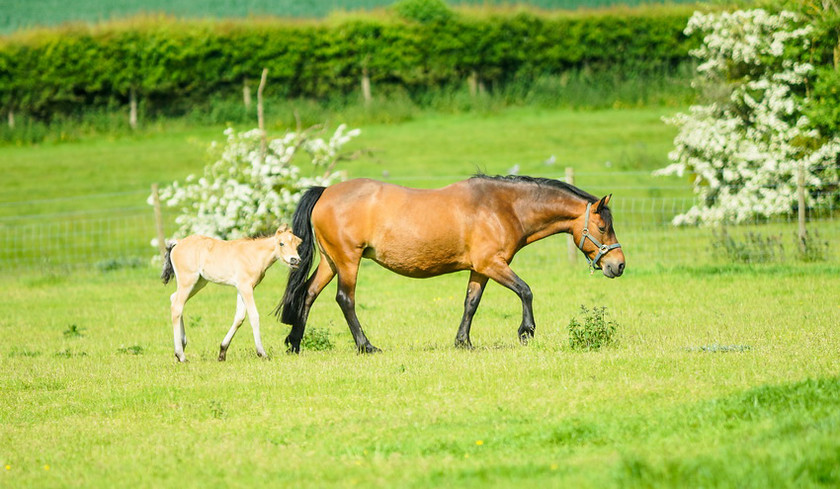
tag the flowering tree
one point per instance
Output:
(245, 192)
(746, 148)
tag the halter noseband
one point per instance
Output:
(602, 248)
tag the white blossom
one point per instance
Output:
(242, 193)
(744, 152)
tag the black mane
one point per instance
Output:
(548, 182)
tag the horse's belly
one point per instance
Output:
(417, 263)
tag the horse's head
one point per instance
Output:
(286, 246)
(595, 236)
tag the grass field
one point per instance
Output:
(16, 15)
(724, 375)
(722, 378)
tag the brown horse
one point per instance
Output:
(477, 224)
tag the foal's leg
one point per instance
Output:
(346, 298)
(500, 271)
(247, 294)
(474, 291)
(187, 287)
(237, 322)
(316, 283)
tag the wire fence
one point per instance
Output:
(121, 237)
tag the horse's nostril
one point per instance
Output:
(294, 261)
(620, 268)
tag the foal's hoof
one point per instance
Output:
(263, 355)
(368, 348)
(222, 357)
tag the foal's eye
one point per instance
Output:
(282, 244)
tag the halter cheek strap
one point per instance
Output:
(603, 249)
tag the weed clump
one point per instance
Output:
(317, 339)
(593, 331)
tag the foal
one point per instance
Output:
(196, 260)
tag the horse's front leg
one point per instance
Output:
(475, 289)
(346, 298)
(500, 272)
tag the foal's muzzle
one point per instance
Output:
(294, 262)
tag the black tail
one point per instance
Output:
(168, 271)
(290, 308)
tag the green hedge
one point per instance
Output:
(172, 63)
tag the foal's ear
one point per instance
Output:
(602, 203)
(282, 229)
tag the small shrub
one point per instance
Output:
(67, 353)
(113, 264)
(811, 248)
(423, 11)
(317, 339)
(593, 331)
(752, 248)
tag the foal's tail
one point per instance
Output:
(168, 271)
(290, 309)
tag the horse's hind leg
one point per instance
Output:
(474, 291)
(187, 287)
(500, 272)
(323, 275)
(346, 298)
(237, 322)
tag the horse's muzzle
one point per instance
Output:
(613, 269)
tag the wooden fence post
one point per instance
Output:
(571, 246)
(11, 118)
(159, 221)
(800, 193)
(366, 86)
(260, 114)
(246, 94)
(132, 108)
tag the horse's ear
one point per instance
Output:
(602, 203)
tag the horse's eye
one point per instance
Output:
(602, 229)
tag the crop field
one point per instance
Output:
(16, 15)
(724, 375)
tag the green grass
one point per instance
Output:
(430, 150)
(16, 15)
(724, 375)
(109, 406)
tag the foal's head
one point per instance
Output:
(594, 234)
(286, 246)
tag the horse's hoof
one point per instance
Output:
(221, 357)
(264, 356)
(292, 350)
(368, 348)
(463, 344)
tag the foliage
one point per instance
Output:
(423, 11)
(593, 331)
(317, 339)
(812, 248)
(172, 65)
(747, 145)
(247, 193)
(753, 248)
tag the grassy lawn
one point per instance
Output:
(723, 376)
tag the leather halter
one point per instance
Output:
(603, 249)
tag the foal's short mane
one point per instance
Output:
(548, 182)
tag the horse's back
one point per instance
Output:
(415, 232)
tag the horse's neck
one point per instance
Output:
(548, 215)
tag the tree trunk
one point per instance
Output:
(132, 110)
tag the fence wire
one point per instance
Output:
(123, 237)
